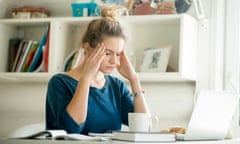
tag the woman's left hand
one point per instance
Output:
(125, 67)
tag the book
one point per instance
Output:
(20, 58)
(13, 47)
(144, 136)
(40, 66)
(30, 55)
(78, 58)
(24, 56)
(37, 58)
(46, 51)
(59, 135)
(20, 49)
(73, 59)
(69, 60)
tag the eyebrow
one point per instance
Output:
(112, 51)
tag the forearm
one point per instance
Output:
(140, 104)
(77, 108)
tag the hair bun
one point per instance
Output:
(113, 11)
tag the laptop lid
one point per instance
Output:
(212, 115)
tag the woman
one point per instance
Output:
(87, 99)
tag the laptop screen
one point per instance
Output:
(212, 115)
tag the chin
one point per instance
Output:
(106, 71)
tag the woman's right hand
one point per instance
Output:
(92, 61)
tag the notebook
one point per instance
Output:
(212, 115)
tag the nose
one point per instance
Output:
(113, 59)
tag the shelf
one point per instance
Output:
(163, 77)
(26, 22)
(158, 77)
(44, 77)
(179, 30)
(143, 19)
(24, 77)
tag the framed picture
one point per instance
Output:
(156, 59)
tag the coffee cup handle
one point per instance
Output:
(154, 123)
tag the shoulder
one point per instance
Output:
(60, 78)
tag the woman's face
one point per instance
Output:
(114, 47)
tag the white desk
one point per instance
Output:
(21, 141)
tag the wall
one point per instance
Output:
(232, 53)
(21, 104)
(24, 104)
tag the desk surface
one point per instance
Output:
(21, 141)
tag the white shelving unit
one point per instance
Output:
(180, 31)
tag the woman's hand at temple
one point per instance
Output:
(126, 70)
(125, 67)
(92, 61)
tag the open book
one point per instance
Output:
(61, 135)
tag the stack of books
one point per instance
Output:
(144, 136)
(29, 55)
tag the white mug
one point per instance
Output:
(141, 122)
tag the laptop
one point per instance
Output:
(212, 115)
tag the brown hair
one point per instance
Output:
(103, 27)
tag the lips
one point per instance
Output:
(110, 68)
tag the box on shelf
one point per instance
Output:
(83, 9)
(26, 12)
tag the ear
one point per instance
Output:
(87, 48)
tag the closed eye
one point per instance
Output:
(109, 52)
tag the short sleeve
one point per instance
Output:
(59, 94)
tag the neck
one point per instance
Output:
(98, 77)
(98, 80)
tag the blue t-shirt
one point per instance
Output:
(108, 107)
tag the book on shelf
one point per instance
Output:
(59, 135)
(72, 60)
(46, 51)
(30, 55)
(38, 56)
(23, 56)
(19, 52)
(43, 66)
(40, 65)
(19, 58)
(144, 136)
(13, 47)
(69, 60)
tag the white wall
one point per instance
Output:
(21, 104)
(232, 53)
(24, 104)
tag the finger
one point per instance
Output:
(101, 54)
(98, 50)
(124, 50)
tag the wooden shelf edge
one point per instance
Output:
(160, 77)
(163, 77)
(77, 19)
(24, 77)
(44, 77)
